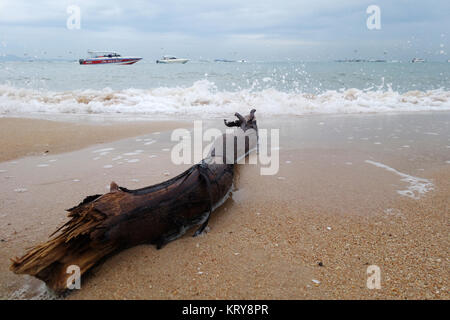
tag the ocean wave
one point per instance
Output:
(204, 99)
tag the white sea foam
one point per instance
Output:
(31, 291)
(204, 99)
(417, 186)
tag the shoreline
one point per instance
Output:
(33, 135)
(308, 232)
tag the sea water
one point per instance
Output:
(206, 89)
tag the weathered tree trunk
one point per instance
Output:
(102, 225)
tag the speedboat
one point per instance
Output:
(108, 57)
(417, 60)
(172, 59)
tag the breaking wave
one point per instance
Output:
(204, 99)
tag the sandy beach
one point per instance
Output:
(27, 137)
(352, 191)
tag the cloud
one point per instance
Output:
(257, 28)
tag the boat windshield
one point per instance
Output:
(103, 54)
(111, 55)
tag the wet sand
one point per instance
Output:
(352, 191)
(27, 137)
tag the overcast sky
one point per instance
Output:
(250, 29)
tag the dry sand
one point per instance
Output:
(309, 232)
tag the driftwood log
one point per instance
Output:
(102, 225)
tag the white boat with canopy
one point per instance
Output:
(172, 59)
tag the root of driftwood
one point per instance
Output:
(102, 225)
